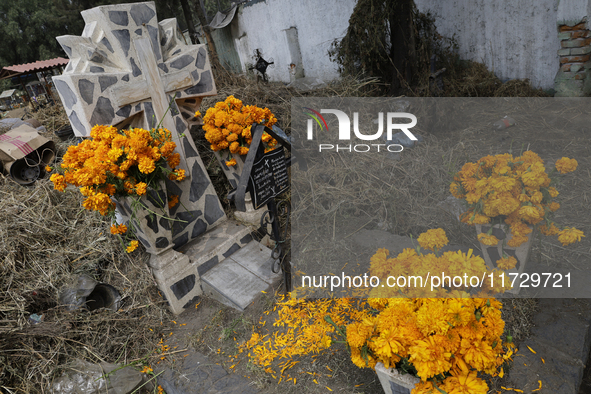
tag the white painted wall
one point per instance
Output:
(262, 25)
(515, 39)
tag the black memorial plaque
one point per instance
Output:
(268, 177)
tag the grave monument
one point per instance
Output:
(129, 70)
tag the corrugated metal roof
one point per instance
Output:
(7, 93)
(38, 66)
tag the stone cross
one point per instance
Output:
(128, 70)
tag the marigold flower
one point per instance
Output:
(58, 182)
(118, 229)
(141, 188)
(468, 383)
(456, 190)
(173, 201)
(433, 239)
(100, 202)
(566, 165)
(234, 147)
(180, 174)
(174, 160)
(132, 246)
(549, 230)
(529, 213)
(488, 239)
(231, 162)
(517, 240)
(147, 370)
(570, 235)
(357, 334)
(553, 192)
(507, 263)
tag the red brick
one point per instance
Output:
(565, 67)
(580, 34)
(580, 26)
(581, 75)
(576, 43)
(565, 28)
(572, 59)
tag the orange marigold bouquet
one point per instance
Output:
(443, 341)
(118, 163)
(516, 191)
(228, 127)
(417, 267)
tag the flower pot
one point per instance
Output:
(233, 173)
(493, 253)
(150, 220)
(393, 382)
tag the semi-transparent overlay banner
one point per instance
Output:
(441, 197)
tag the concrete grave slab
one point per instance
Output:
(257, 259)
(232, 284)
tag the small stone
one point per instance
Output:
(124, 39)
(182, 62)
(68, 96)
(86, 90)
(134, 68)
(141, 13)
(103, 112)
(119, 17)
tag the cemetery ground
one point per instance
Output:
(47, 239)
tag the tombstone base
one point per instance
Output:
(224, 263)
(177, 279)
(250, 217)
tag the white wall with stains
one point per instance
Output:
(266, 24)
(514, 39)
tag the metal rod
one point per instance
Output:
(285, 266)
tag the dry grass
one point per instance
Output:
(46, 240)
(52, 117)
